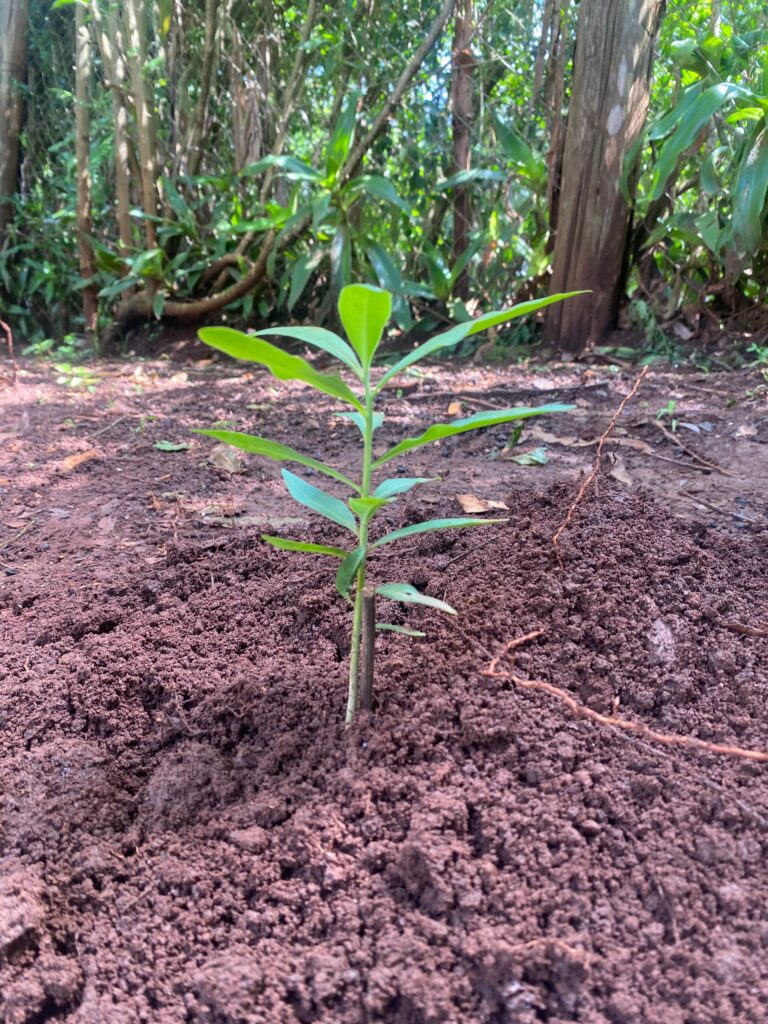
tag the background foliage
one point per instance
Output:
(252, 118)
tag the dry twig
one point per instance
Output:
(596, 464)
(723, 511)
(738, 627)
(689, 451)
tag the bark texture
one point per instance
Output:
(461, 113)
(13, 63)
(82, 150)
(611, 84)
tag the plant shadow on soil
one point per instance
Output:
(188, 833)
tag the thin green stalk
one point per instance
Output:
(357, 619)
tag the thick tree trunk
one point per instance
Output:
(461, 114)
(82, 153)
(611, 84)
(13, 70)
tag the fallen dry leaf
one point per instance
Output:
(73, 461)
(455, 408)
(619, 472)
(226, 458)
(471, 504)
(746, 430)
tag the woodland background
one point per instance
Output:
(184, 161)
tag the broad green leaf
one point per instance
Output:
(481, 419)
(364, 311)
(292, 168)
(280, 364)
(341, 259)
(519, 152)
(434, 524)
(343, 133)
(359, 420)
(458, 333)
(303, 268)
(389, 627)
(749, 192)
(464, 177)
(708, 178)
(276, 451)
(318, 501)
(696, 117)
(389, 277)
(320, 338)
(348, 570)
(299, 545)
(666, 123)
(365, 507)
(379, 188)
(399, 485)
(408, 594)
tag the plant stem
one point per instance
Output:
(357, 620)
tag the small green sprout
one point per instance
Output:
(364, 312)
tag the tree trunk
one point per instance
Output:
(82, 156)
(13, 70)
(135, 15)
(461, 112)
(611, 85)
(194, 143)
(109, 39)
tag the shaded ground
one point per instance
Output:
(187, 833)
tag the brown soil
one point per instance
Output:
(187, 832)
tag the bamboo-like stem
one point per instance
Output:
(365, 684)
(357, 620)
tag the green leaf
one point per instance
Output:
(379, 188)
(365, 507)
(364, 311)
(276, 451)
(280, 364)
(666, 123)
(171, 446)
(464, 177)
(303, 269)
(359, 420)
(348, 570)
(158, 304)
(481, 419)
(399, 485)
(434, 524)
(320, 338)
(457, 334)
(389, 277)
(299, 545)
(696, 117)
(407, 593)
(391, 628)
(749, 192)
(538, 457)
(292, 168)
(341, 259)
(318, 501)
(343, 133)
(517, 150)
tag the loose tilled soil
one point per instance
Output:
(187, 832)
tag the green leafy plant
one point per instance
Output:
(364, 312)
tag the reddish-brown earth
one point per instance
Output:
(187, 832)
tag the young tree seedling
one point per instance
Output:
(364, 312)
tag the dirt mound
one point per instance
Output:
(188, 834)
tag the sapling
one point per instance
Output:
(364, 312)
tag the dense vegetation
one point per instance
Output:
(189, 160)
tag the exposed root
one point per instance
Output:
(739, 627)
(596, 464)
(613, 721)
